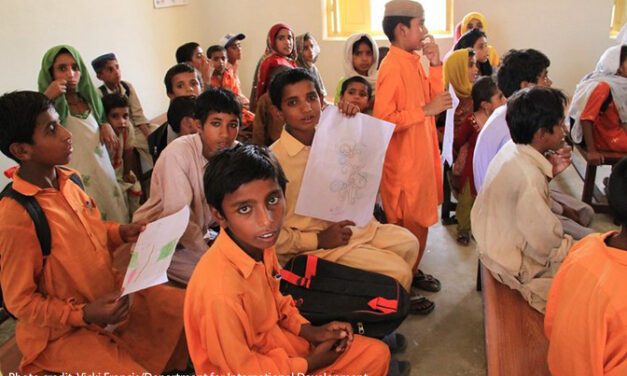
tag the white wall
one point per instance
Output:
(573, 33)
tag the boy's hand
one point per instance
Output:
(431, 50)
(129, 178)
(206, 70)
(439, 103)
(347, 108)
(335, 330)
(129, 233)
(56, 89)
(108, 310)
(108, 137)
(336, 235)
(561, 159)
(324, 355)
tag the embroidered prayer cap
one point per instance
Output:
(403, 8)
(229, 39)
(99, 63)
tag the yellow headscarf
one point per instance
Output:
(456, 73)
(476, 15)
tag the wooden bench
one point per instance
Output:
(591, 195)
(514, 332)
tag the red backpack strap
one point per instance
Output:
(311, 267)
(384, 305)
(294, 279)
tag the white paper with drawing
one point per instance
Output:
(153, 252)
(344, 169)
(449, 129)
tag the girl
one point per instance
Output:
(475, 20)
(599, 106)
(361, 56)
(478, 41)
(486, 97)
(460, 71)
(63, 79)
(308, 51)
(280, 51)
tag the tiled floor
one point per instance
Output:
(450, 340)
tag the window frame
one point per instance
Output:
(332, 18)
(619, 17)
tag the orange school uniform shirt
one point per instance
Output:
(237, 321)
(586, 311)
(411, 186)
(608, 133)
(48, 297)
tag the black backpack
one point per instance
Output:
(42, 228)
(325, 291)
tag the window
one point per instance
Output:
(345, 17)
(619, 17)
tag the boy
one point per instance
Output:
(385, 249)
(63, 302)
(180, 80)
(191, 53)
(181, 115)
(107, 70)
(585, 312)
(357, 90)
(117, 112)
(411, 186)
(519, 240)
(222, 77)
(177, 177)
(520, 69)
(237, 321)
(233, 45)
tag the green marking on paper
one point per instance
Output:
(134, 260)
(167, 250)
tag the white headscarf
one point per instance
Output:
(349, 70)
(605, 71)
(621, 38)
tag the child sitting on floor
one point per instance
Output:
(518, 237)
(358, 91)
(237, 321)
(380, 248)
(192, 54)
(308, 51)
(585, 311)
(117, 112)
(361, 57)
(177, 177)
(64, 302)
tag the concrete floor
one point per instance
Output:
(450, 340)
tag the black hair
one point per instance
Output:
(215, 48)
(363, 40)
(218, 100)
(389, 23)
(185, 52)
(178, 68)
(468, 40)
(532, 109)
(616, 188)
(180, 107)
(359, 79)
(623, 53)
(18, 117)
(114, 100)
(289, 77)
(231, 168)
(518, 66)
(482, 91)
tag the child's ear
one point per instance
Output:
(99, 75)
(171, 96)
(215, 214)
(21, 151)
(276, 112)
